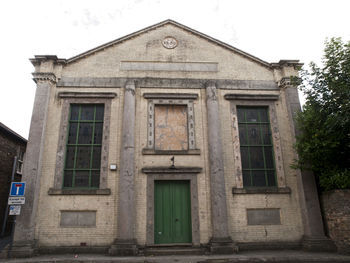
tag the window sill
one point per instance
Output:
(262, 190)
(146, 151)
(53, 191)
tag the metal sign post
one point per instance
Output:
(12, 234)
(15, 200)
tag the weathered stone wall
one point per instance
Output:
(336, 211)
(238, 203)
(48, 228)
(148, 47)
(237, 74)
(51, 233)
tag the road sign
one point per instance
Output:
(14, 200)
(17, 188)
(15, 210)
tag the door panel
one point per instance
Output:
(172, 212)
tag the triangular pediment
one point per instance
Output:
(162, 24)
(166, 50)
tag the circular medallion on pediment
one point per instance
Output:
(169, 42)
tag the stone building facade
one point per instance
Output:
(11, 145)
(165, 137)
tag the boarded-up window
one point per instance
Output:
(170, 127)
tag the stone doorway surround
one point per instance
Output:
(172, 173)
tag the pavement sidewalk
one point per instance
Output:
(246, 256)
(4, 241)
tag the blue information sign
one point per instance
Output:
(17, 188)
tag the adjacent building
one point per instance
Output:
(165, 137)
(11, 145)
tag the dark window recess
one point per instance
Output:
(258, 164)
(20, 162)
(84, 142)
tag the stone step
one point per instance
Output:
(174, 250)
(4, 249)
(3, 252)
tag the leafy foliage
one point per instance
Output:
(324, 142)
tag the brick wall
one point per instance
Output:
(9, 148)
(336, 209)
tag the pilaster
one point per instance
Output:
(221, 242)
(24, 237)
(314, 237)
(125, 244)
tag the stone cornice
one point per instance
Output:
(262, 190)
(171, 170)
(287, 63)
(88, 82)
(146, 151)
(44, 77)
(190, 96)
(107, 95)
(38, 59)
(251, 97)
(53, 191)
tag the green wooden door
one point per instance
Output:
(172, 212)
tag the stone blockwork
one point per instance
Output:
(51, 234)
(240, 199)
(336, 211)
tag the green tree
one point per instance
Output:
(324, 143)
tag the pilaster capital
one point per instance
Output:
(211, 91)
(288, 82)
(284, 82)
(130, 85)
(44, 77)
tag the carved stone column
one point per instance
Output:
(221, 242)
(125, 243)
(314, 237)
(24, 238)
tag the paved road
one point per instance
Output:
(251, 256)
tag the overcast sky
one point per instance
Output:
(269, 30)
